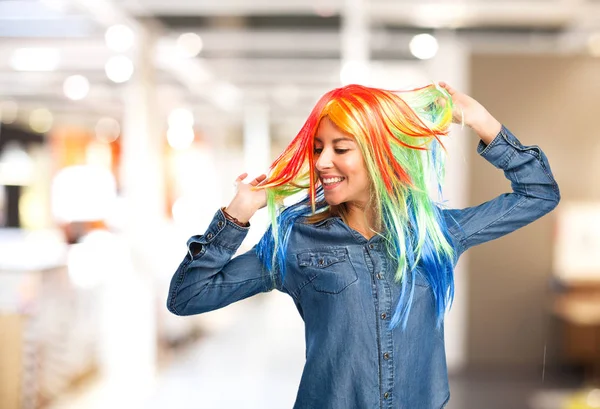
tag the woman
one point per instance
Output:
(367, 256)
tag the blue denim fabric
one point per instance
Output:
(343, 287)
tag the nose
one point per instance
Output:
(324, 161)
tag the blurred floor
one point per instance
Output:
(509, 390)
(256, 361)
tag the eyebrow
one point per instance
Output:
(336, 139)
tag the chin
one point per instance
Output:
(333, 201)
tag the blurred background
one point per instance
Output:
(125, 122)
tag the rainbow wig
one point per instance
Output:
(398, 133)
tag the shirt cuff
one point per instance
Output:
(222, 232)
(501, 149)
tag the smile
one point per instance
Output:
(330, 183)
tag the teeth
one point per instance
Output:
(329, 181)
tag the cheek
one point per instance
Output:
(362, 175)
(358, 169)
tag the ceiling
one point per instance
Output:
(282, 54)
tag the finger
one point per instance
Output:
(448, 88)
(258, 179)
(241, 177)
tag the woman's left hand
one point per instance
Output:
(475, 115)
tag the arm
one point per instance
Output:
(534, 190)
(534, 194)
(208, 279)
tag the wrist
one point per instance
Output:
(234, 219)
(235, 213)
(487, 129)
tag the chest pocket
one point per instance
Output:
(328, 270)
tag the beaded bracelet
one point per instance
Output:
(233, 219)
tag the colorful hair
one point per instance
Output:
(398, 133)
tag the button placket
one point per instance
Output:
(385, 335)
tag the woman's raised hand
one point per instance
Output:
(247, 200)
(473, 113)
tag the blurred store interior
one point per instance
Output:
(125, 122)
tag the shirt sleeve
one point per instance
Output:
(208, 278)
(534, 194)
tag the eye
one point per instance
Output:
(317, 151)
(341, 151)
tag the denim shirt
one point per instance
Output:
(343, 287)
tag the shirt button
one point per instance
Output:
(371, 246)
(386, 356)
(386, 395)
(220, 224)
(209, 236)
(379, 276)
(383, 316)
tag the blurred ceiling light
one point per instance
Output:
(76, 87)
(107, 130)
(119, 68)
(16, 166)
(8, 112)
(35, 59)
(180, 138)
(40, 120)
(423, 46)
(181, 118)
(119, 38)
(189, 45)
(354, 72)
(594, 44)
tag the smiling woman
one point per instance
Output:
(368, 150)
(340, 166)
(367, 255)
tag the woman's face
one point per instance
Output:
(340, 166)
